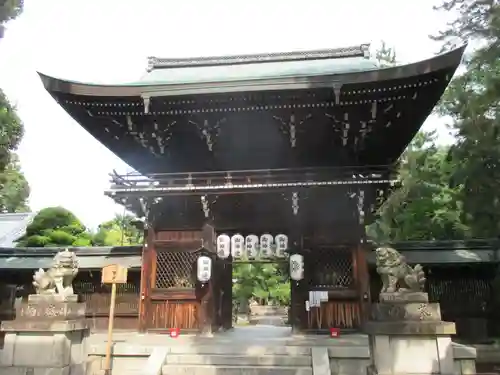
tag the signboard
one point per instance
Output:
(114, 274)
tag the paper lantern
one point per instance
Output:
(251, 246)
(204, 269)
(223, 246)
(296, 267)
(266, 245)
(237, 246)
(281, 241)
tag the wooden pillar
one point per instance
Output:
(205, 311)
(297, 302)
(148, 255)
(363, 281)
(227, 296)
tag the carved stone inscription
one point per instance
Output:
(406, 312)
(51, 311)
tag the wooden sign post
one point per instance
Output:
(112, 274)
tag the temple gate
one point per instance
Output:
(302, 144)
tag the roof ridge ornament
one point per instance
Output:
(333, 53)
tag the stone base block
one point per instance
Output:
(60, 348)
(416, 328)
(399, 355)
(404, 297)
(413, 311)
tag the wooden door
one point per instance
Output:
(333, 270)
(170, 298)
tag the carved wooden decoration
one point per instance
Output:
(209, 131)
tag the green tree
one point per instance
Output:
(424, 207)
(472, 102)
(55, 227)
(266, 283)
(11, 130)
(14, 189)
(120, 231)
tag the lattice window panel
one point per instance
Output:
(332, 268)
(175, 270)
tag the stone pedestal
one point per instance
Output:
(48, 337)
(407, 336)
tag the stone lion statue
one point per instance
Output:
(396, 274)
(58, 279)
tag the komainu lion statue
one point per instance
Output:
(396, 274)
(58, 279)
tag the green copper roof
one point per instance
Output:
(267, 70)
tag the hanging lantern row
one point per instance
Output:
(252, 246)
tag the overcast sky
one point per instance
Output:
(107, 41)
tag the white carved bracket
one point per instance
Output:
(208, 131)
(291, 126)
(206, 203)
(341, 126)
(155, 140)
(337, 87)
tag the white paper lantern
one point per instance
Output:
(266, 245)
(223, 246)
(296, 267)
(204, 269)
(237, 245)
(281, 241)
(251, 245)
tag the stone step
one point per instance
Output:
(234, 370)
(242, 360)
(244, 350)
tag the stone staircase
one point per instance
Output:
(237, 359)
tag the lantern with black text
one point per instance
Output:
(223, 246)
(281, 241)
(204, 269)
(296, 267)
(251, 245)
(237, 245)
(266, 243)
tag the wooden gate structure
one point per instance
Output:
(300, 143)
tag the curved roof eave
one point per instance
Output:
(449, 59)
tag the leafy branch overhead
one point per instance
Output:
(9, 10)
